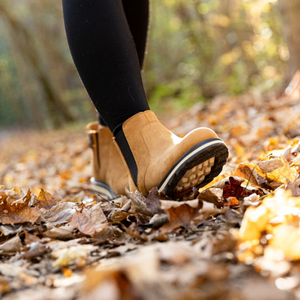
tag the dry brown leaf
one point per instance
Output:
(226, 244)
(268, 166)
(109, 233)
(138, 202)
(12, 246)
(30, 238)
(294, 187)
(180, 213)
(63, 232)
(45, 200)
(14, 208)
(210, 195)
(60, 213)
(249, 172)
(35, 249)
(153, 201)
(90, 220)
(117, 215)
(7, 230)
(284, 174)
(127, 275)
(4, 286)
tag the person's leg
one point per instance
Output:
(105, 55)
(106, 58)
(137, 16)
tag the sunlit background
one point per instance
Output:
(197, 49)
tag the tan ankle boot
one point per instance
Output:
(157, 157)
(110, 175)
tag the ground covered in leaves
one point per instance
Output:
(237, 238)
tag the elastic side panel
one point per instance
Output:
(126, 151)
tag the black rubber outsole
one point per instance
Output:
(212, 148)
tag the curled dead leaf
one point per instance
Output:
(138, 202)
(250, 172)
(14, 207)
(212, 195)
(180, 213)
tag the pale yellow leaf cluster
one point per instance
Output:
(273, 228)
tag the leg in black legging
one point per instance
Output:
(137, 15)
(105, 55)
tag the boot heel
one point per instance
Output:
(109, 175)
(195, 168)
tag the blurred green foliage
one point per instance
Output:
(197, 49)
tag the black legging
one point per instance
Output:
(107, 40)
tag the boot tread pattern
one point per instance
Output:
(195, 176)
(197, 171)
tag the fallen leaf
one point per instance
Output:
(117, 215)
(153, 201)
(232, 201)
(14, 208)
(30, 238)
(4, 286)
(234, 189)
(210, 195)
(294, 187)
(268, 166)
(35, 249)
(77, 254)
(60, 213)
(45, 200)
(252, 200)
(284, 174)
(12, 246)
(249, 172)
(63, 232)
(138, 202)
(89, 221)
(180, 213)
(7, 230)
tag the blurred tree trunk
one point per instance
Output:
(58, 110)
(290, 12)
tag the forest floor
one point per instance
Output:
(237, 238)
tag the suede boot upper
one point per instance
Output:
(107, 164)
(154, 149)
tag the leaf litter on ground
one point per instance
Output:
(236, 238)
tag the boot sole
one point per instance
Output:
(103, 189)
(196, 168)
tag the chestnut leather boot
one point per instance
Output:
(157, 157)
(110, 175)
